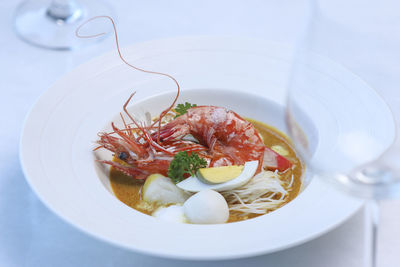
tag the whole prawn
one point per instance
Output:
(224, 138)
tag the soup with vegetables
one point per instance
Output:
(198, 164)
(202, 165)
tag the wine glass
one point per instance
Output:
(344, 129)
(52, 24)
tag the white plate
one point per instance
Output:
(245, 75)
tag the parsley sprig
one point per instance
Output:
(182, 108)
(183, 163)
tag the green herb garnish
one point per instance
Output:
(182, 108)
(183, 163)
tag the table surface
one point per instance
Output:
(30, 235)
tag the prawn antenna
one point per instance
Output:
(130, 65)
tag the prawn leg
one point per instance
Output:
(135, 172)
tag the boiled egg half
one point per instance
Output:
(218, 180)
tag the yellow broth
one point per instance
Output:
(128, 190)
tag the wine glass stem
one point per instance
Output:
(372, 221)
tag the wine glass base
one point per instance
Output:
(47, 27)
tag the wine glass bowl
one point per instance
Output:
(350, 124)
(358, 148)
(52, 24)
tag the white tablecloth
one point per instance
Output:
(30, 235)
